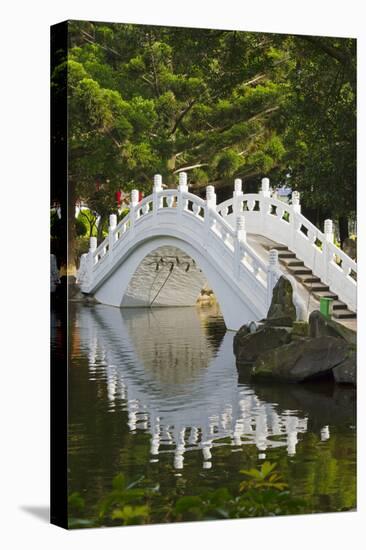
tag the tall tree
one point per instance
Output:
(217, 104)
(319, 125)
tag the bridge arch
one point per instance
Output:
(237, 307)
(215, 237)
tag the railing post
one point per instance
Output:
(182, 188)
(183, 184)
(210, 205)
(272, 274)
(296, 210)
(111, 235)
(296, 202)
(241, 233)
(241, 237)
(133, 203)
(237, 194)
(265, 195)
(265, 191)
(329, 238)
(92, 249)
(158, 187)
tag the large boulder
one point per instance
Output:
(321, 326)
(248, 346)
(300, 360)
(239, 336)
(282, 311)
(345, 372)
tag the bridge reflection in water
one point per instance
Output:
(181, 385)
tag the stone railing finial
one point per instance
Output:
(238, 189)
(265, 191)
(240, 228)
(183, 183)
(211, 196)
(134, 197)
(92, 244)
(112, 221)
(273, 258)
(296, 201)
(328, 230)
(158, 183)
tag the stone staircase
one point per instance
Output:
(312, 283)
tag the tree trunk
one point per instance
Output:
(343, 229)
(170, 179)
(103, 217)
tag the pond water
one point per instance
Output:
(155, 393)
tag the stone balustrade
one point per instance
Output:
(221, 230)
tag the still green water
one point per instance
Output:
(154, 394)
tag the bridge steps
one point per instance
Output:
(316, 287)
(311, 282)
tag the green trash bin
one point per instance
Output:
(326, 306)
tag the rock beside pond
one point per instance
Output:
(345, 372)
(248, 346)
(321, 326)
(302, 359)
(284, 349)
(282, 311)
(239, 336)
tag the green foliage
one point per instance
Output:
(263, 478)
(123, 503)
(131, 504)
(81, 229)
(88, 218)
(218, 104)
(57, 228)
(76, 503)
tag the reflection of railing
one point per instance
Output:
(224, 227)
(215, 408)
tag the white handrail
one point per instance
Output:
(263, 214)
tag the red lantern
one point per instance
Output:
(118, 196)
(141, 195)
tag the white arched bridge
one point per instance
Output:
(173, 242)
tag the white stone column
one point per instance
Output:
(241, 233)
(241, 237)
(210, 205)
(91, 263)
(111, 235)
(265, 190)
(134, 198)
(237, 195)
(295, 222)
(158, 187)
(296, 206)
(133, 203)
(183, 184)
(264, 204)
(273, 274)
(326, 251)
(328, 231)
(182, 188)
(92, 244)
(211, 197)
